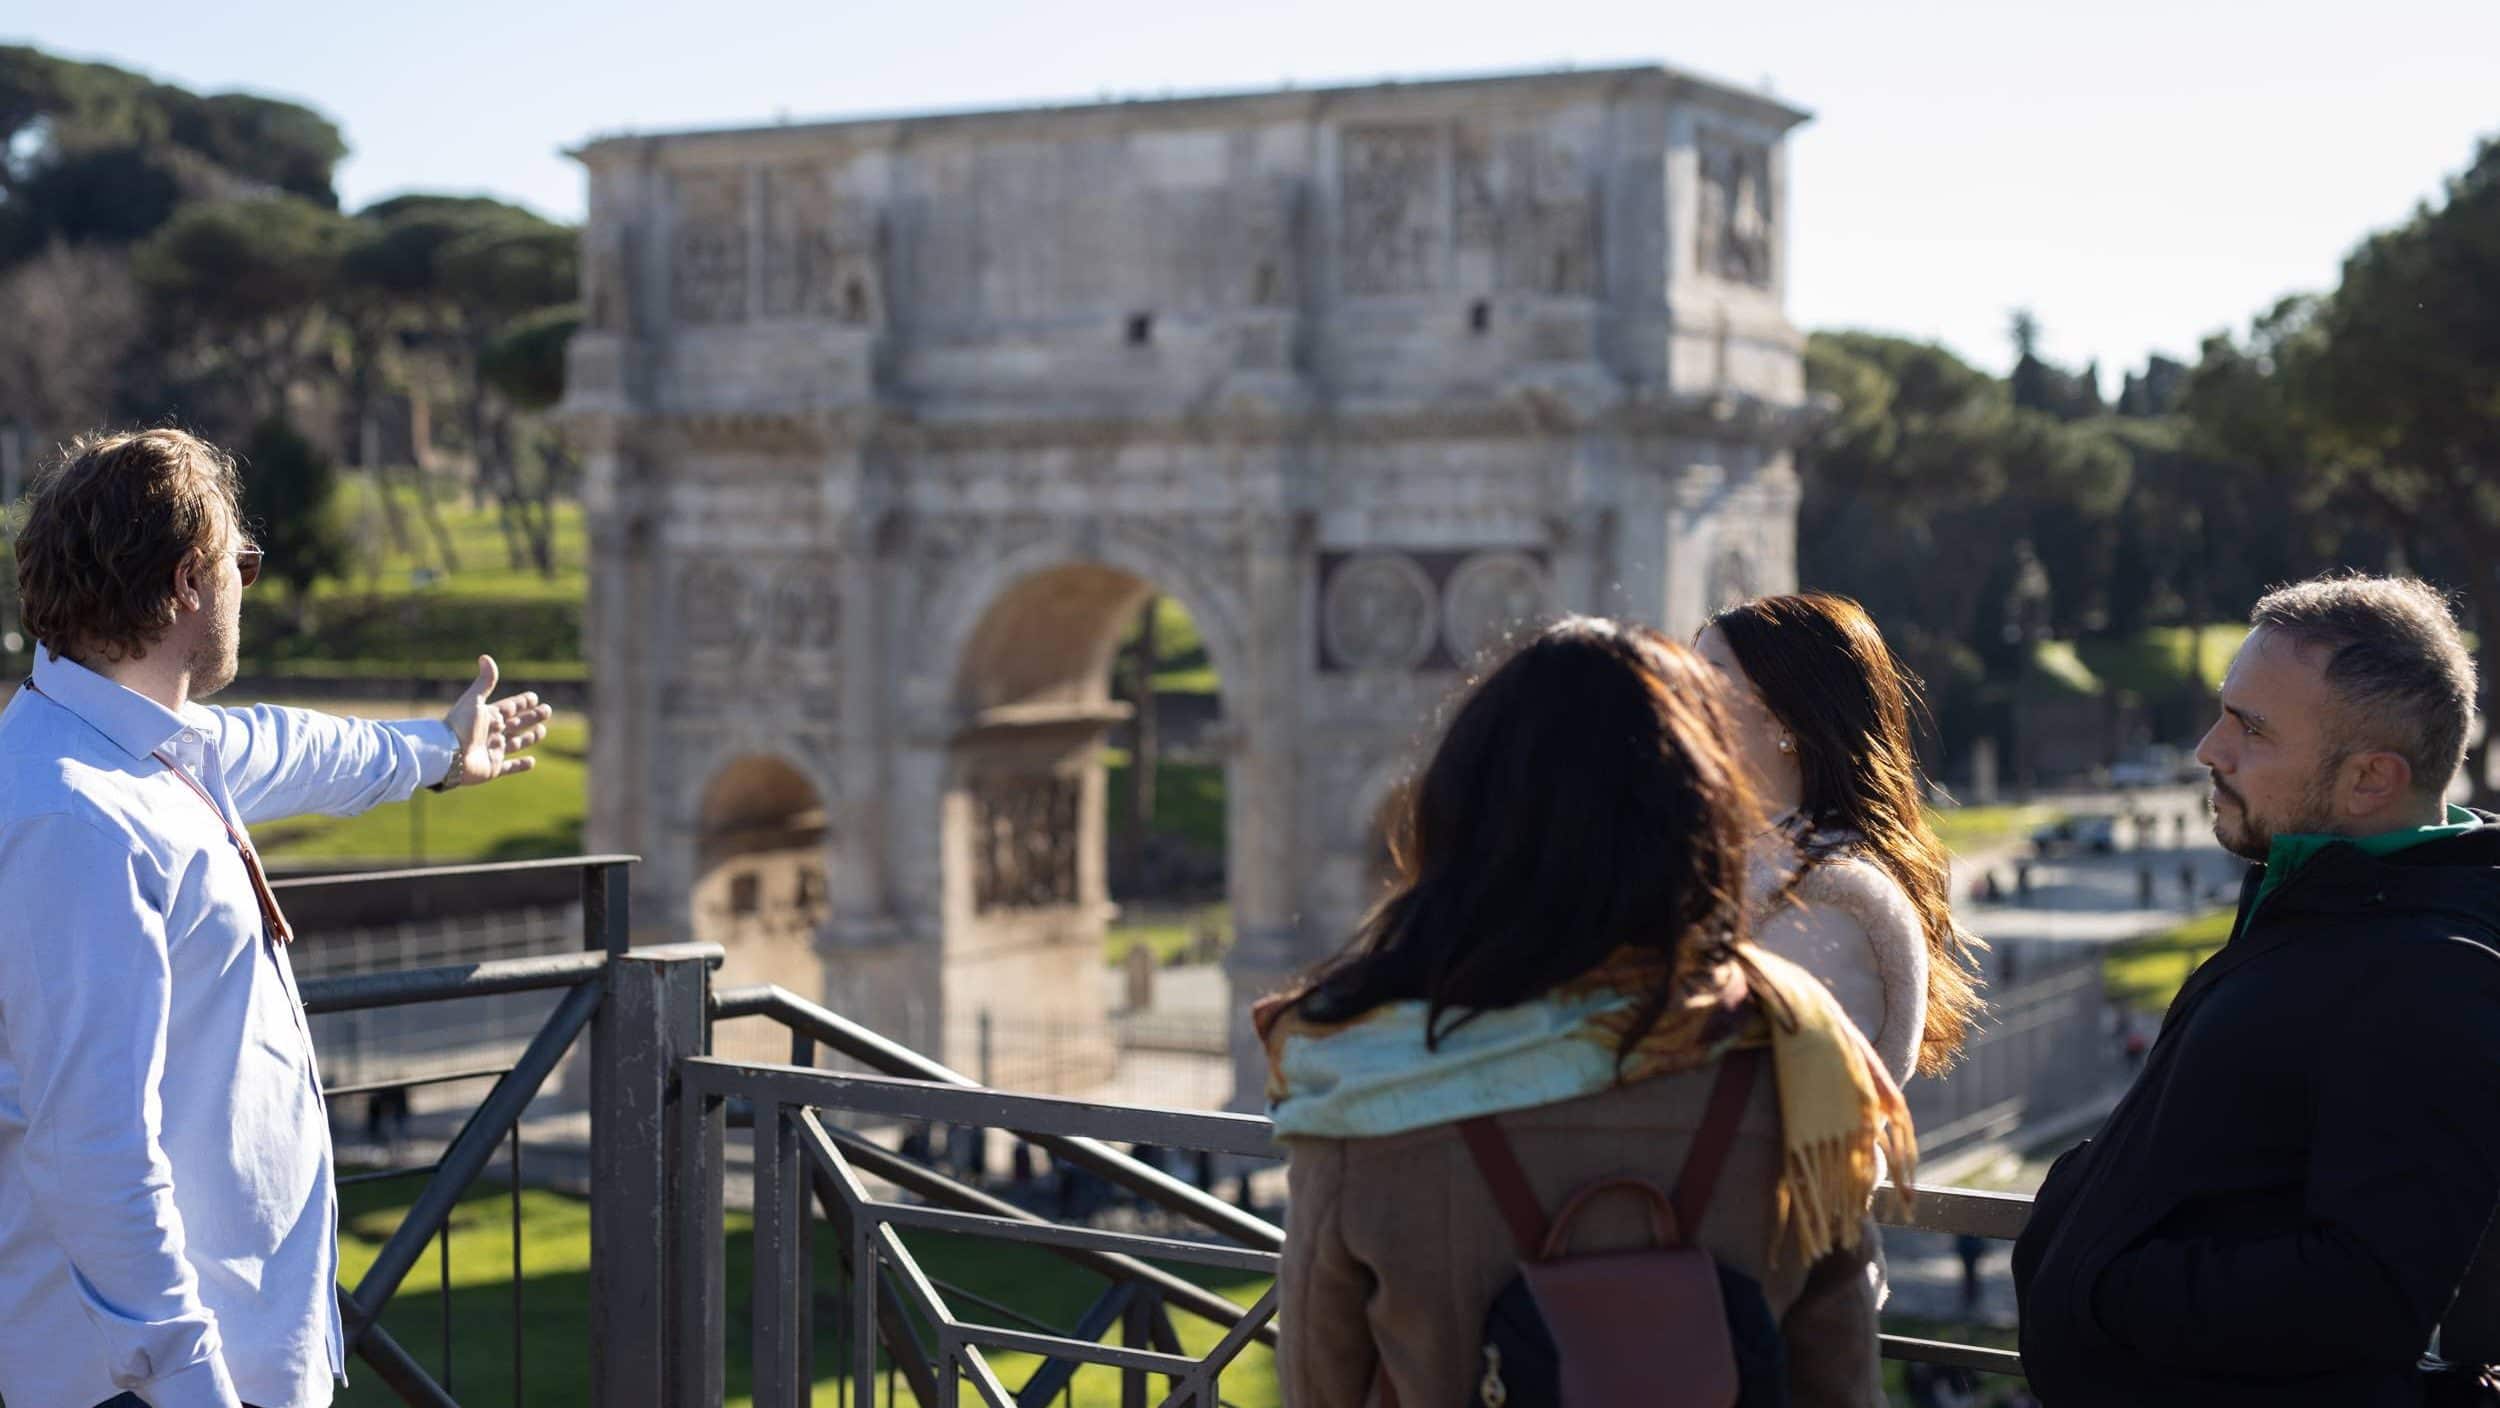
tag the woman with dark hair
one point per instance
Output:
(1564, 947)
(1848, 881)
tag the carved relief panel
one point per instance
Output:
(816, 249)
(1024, 841)
(1438, 610)
(1526, 204)
(1736, 222)
(1391, 204)
(708, 257)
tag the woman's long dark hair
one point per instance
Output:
(1826, 674)
(1582, 801)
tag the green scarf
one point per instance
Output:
(2290, 853)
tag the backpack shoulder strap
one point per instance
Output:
(1498, 1162)
(1726, 1110)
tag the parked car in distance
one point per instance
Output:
(2156, 766)
(2096, 834)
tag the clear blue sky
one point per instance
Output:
(2139, 172)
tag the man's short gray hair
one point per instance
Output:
(2395, 659)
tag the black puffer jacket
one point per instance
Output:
(2280, 1210)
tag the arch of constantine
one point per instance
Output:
(892, 424)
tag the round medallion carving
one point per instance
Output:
(1491, 596)
(1379, 612)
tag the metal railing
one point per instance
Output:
(824, 1151)
(889, 1298)
(493, 1125)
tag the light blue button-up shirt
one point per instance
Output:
(168, 1222)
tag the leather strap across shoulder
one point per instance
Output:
(1497, 1160)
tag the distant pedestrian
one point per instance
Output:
(1971, 1248)
(2187, 881)
(2144, 886)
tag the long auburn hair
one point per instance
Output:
(1582, 800)
(1826, 674)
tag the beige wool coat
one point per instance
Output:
(1394, 1250)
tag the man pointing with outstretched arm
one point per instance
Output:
(167, 1216)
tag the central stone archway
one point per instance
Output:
(1025, 815)
(886, 423)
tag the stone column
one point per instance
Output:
(1263, 792)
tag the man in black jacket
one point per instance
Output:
(2283, 1206)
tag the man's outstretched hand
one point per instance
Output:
(492, 735)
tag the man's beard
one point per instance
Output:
(2251, 837)
(214, 660)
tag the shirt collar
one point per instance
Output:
(135, 723)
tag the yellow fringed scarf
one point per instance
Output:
(1842, 1119)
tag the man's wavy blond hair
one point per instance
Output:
(105, 527)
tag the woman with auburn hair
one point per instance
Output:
(1563, 948)
(1849, 881)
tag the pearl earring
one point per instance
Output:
(1787, 744)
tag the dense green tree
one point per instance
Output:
(240, 287)
(290, 492)
(2397, 385)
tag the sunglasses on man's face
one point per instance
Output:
(247, 562)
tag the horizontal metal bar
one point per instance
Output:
(975, 1105)
(412, 1082)
(412, 985)
(1960, 1356)
(1958, 1210)
(443, 872)
(1061, 1346)
(1155, 1186)
(1051, 1377)
(381, 1175)
(938, 1188)
(956, 1291)
(1051, 1234)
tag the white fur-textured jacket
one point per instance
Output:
(1851, 924)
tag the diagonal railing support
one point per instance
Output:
(469, 1152)
(398, 1368)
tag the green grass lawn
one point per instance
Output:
(2146, 973)
(397, 612)
(1189, 800)
(379, 566)
(555, 1249)
(1966, 830)
(1181, 662)
(2162, 659)
(536, 814)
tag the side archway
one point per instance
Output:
(760, 887)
